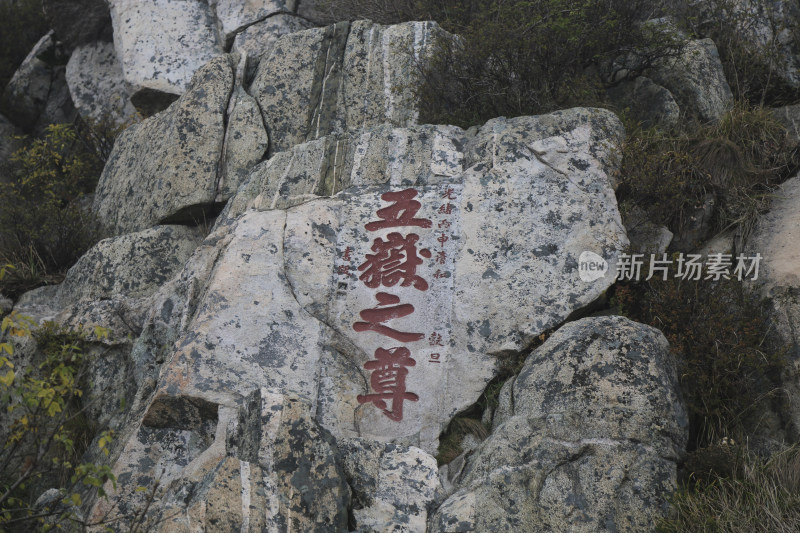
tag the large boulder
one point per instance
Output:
(161, 43)
(77, 22)
(590, 442)
(37, 94)
(97, 86)
(166, 168)
(487, 290)
(281, 294)
(697, 81)
(341, 78)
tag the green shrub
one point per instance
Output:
(22, 23)
(46, 223)
(45, 432)
(738, 492)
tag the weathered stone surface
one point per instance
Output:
(394, 487)
(37, 94)
(96, 84)
(76, 22)
(341, 78)
(236, 15)
(259, 39)
(133, 265)
(165, 169)
(267, 466)
(697, 81)
(649, 103)
(246, 142)
(489, 290)
(646, 237)
(591, 441)
(775, 238)
(161, 43)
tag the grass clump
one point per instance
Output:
(739, 161)
(738, 492)
(46, 222)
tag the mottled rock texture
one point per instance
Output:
(590, 442)
(97, 86)
(166, 168)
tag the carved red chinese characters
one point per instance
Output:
(394, 263)
(388, 380)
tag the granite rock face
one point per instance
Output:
(590, 442)
(288, 293)
(341, 78)
(166, 168)
(161, 43)
(97, 85)
(775, 239)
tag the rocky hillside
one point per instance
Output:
(324, 314)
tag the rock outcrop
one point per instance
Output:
(280, 295)
(305, 286)
(697, 81)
